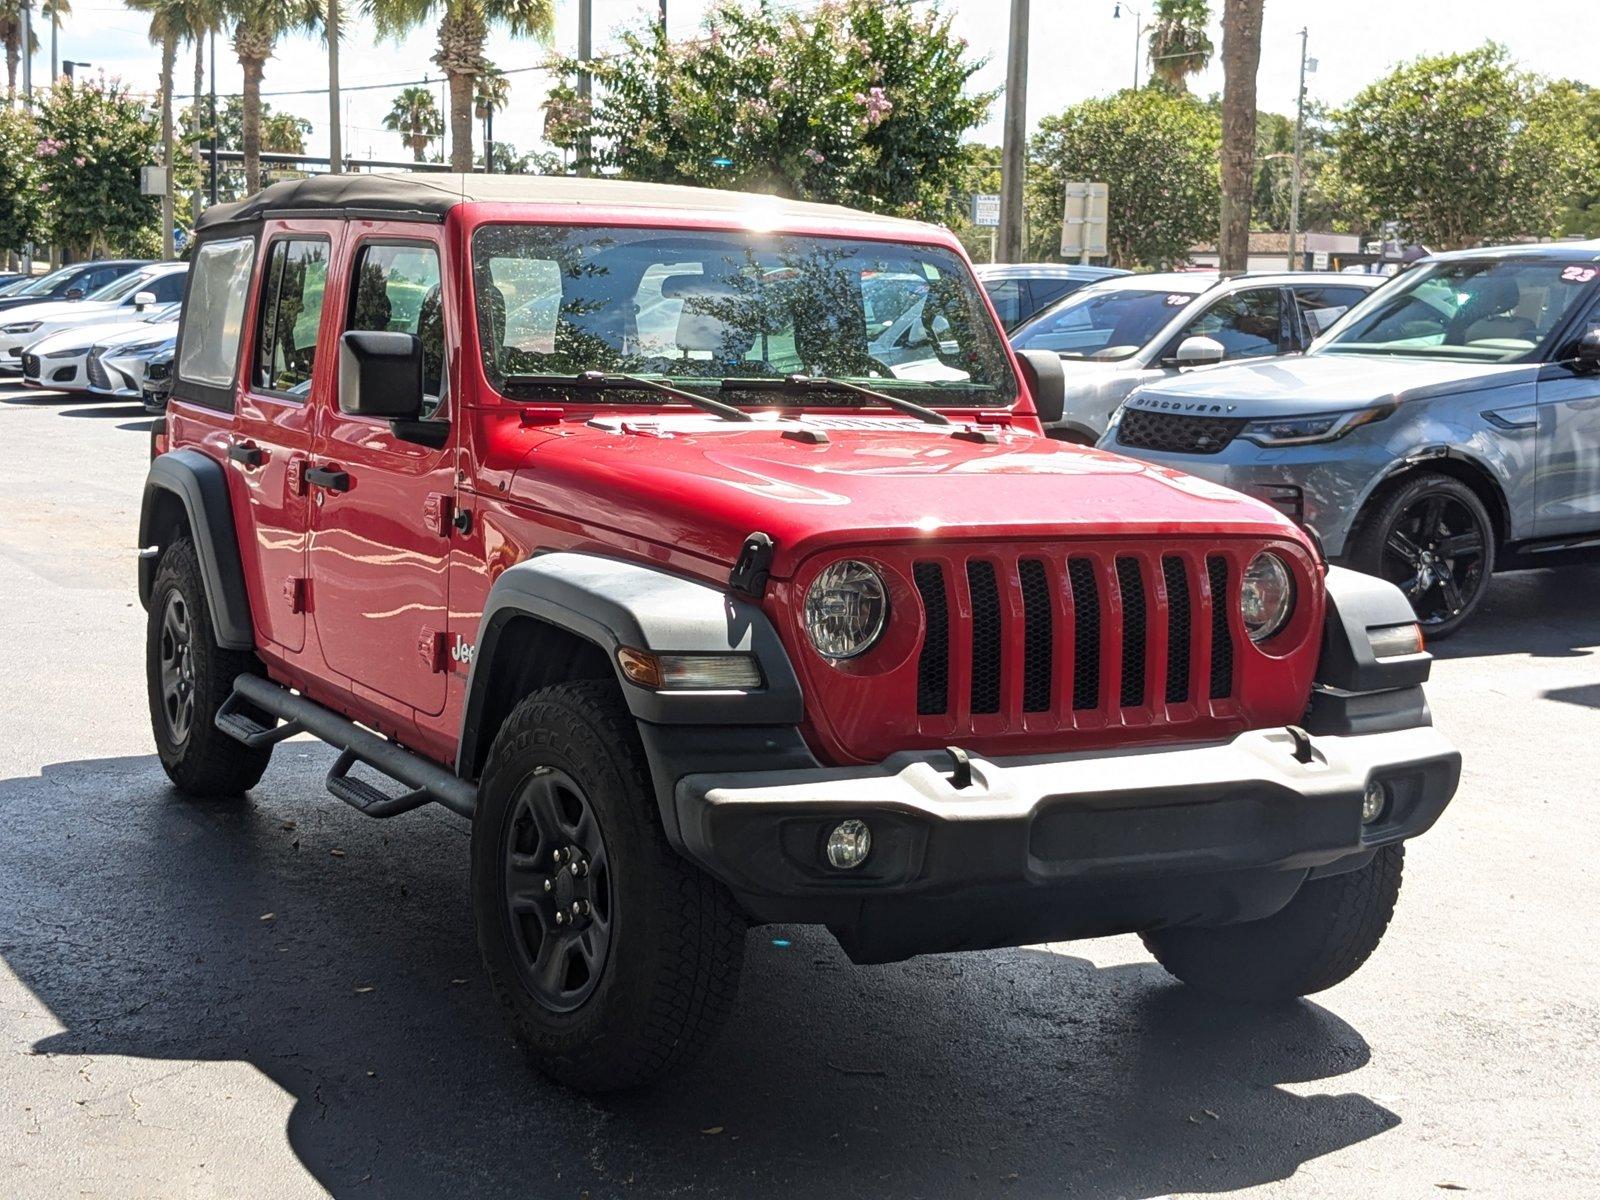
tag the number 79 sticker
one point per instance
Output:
(1578, 274)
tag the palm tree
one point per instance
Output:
(1241, 55)
(11, 35)
(463, 30)
(415, 117)
(166, 27)
(257, 26)
(1179, 46)
(202, 20)
(489, 97)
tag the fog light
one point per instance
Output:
(1374, 802)
(849, 844)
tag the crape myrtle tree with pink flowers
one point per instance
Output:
(93, 137)
(855, 102)
(20, 210)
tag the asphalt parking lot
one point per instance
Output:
(281, 998)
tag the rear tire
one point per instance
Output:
(1318, 939)
(188, 677)
(616, 961)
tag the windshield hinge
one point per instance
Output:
(753, 566)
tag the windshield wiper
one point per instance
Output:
(823, 383)
(600, 380)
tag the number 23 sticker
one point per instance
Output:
(1577, 274)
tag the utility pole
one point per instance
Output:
(335, 133)
(1299, 139)
(213, 107)
(27, 52)
(585, 34)
(1014, 140)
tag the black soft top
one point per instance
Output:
(429, 196)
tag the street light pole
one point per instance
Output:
(1014, 137)
(27, 52)
(213, 125)
(1138, 36)
(335, 133)
(1299, 139)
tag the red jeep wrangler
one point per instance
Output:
(704, 551)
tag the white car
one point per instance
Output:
(60, 361)
(1120, 334)
(129, 297)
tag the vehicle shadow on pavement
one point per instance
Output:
(335, 954)
(1547, 614)
(122, 411)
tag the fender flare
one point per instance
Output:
(200, 485)
(614, 603)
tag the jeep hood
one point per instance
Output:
(1325, 382)
(703, 485)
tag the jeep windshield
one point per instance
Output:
(706, 310)
(1106, 326)
(1473, 310)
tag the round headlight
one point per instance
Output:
(1266, 596)
(846, 607)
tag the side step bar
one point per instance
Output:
(429, 782)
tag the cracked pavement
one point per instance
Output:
(204, 1000)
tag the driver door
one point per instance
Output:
(1569, 442)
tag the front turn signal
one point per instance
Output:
(689, 672)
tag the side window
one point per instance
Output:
(168, 288)
(1248, 324)
(291, 312)
(397, 289)
(214, 316)
(1321, 306)
(1047, 291)
(1008, 298)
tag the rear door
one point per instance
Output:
(1569, 439)
(380, 519)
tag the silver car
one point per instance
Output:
(1119, 334)
(1446, 427)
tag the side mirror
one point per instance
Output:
(143, 300)
(1047, 383)
(1588, 356)
(1199, 351)
(380, 375)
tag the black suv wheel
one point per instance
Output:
(189, 676)
(614, 958)
(1318, 939)
(1432, 537)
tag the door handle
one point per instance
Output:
(331, 478)
(247, 455)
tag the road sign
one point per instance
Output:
(152, 181)
(1319, 260)
(1083, 219)
(986, 209)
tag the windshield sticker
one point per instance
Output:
(1178, 299)
(1579, 274)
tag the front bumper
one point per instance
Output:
(1075, 845)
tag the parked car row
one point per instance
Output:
(1430, 431)
(103, 341)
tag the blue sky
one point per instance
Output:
(1077, 48)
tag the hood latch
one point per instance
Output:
(753, 567)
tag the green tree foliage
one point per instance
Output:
(1581, 216)
(1158, 155)
(1179, 44)
(93, 138)
(1463, 148)
(856, 102)
(20, 210)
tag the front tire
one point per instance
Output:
(1318, 939)
(1431, 536)
(188, 677)
(616, 961)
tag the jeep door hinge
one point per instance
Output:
(436, 512)
(753, 567)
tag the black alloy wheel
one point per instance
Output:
(177, 667)
(557, 882)
(1432, 538)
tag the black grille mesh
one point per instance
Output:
(933, 664)
(97, 372)
(1176, 433)
(1038, 637)
(1130, 583)
(1085, 634)
(985, 636)
(1176, 577)
(1221, 635)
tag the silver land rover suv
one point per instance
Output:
(1445, 428)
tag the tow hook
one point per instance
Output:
(961, 768)
(1302, 744)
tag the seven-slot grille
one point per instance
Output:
(1176, 433)
(1071, 638)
